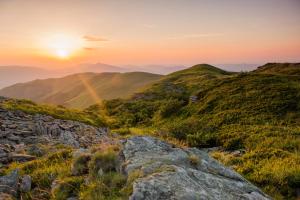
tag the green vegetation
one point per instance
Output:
(258, 112)
(90, 116)
(44, 171)
(97, 176)
(81, 90)
(280, 68)
(194, 160)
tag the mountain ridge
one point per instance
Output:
(81, 90)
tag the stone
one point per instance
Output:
(20, 131)
(4, 196)
(169, 174)
(25, 185)
(21, 157)
(72, 198)
(9, 183)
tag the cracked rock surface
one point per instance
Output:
(182, 174)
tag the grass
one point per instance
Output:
(258, 112)
(255, 112)
(87, 116)
(44, 171)
(97, 177)
(194, 160)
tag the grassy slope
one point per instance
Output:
(81, 90)
(257, 111)
(90, 116)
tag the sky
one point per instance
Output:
(58, 33)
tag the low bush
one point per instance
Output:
(67, 187)
(80, 164)
(103, 162)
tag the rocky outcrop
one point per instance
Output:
(182, 174)
(164, 172)
(18, 130)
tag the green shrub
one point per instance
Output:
(103, 162)
(122, 131)
(80, 164)
(201, 139)
(194, 160)
(67, 187)
(169, 107)
(105, 187)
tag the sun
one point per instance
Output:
(62, 46)
(62, 53)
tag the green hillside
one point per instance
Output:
(280, 68)
(256, 112)
(252, 118)
(81, 90)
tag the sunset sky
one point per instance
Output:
(56, 33)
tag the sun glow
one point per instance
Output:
(63, 46)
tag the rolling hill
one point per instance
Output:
(81, 90)
(253, 118)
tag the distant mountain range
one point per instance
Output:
(13, 74)
(81, 90)
(10, 75)
(17, 74)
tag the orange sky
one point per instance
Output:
(58, 33)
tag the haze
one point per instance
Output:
(59, 33)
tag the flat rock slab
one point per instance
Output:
(182, 174)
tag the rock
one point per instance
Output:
(72, 198)
(25, 185)
(20, 130)
(169, 173)
(35, 150)
(21, 157)
(68, 138)
(4, 196)
(9, 183)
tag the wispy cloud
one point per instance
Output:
(91, 38)
(195, 35)
(90, 48)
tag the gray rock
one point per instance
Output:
(170, 173)
(25, 185)
(9, 183)
(72, 198)
(21, 157)
(20, 130)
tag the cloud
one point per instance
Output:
(89, 48)
(196, 35)
(91, 38)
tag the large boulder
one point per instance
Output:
(182, 174)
